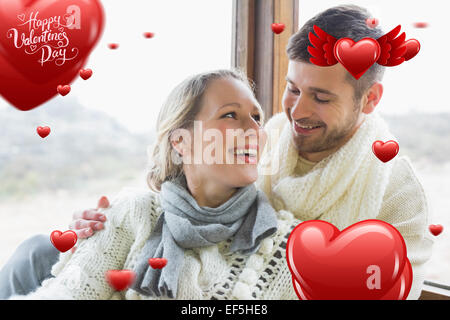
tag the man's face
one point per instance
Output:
(319, 103)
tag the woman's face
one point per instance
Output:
(227, 136)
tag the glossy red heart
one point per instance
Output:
(63, 90)
(357, 57)
(367, 260)
(85, 73)
(420, 24)
(157, 263)
(372, 22)
(103, 203)
(43, 131)
(120, 279)
(278, 27)
(385, 151)
(63, 241)
(113, 46)
(149, 35)
(435, 229)
(44, 43)
(412, 48)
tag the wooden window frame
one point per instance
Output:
(261, 54)
(258, 51)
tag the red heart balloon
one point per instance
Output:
(435, 229)
(63, 241)
(412, 48)
(364, 261)
(43, 131)
(385, 151)
(357, 57)
(120, 279)
(44, 43)
(157, 263)
(278, 27)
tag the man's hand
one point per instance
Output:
(85, 222)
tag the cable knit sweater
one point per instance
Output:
(403, 203)
(208, 273)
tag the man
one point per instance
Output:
(327, 169)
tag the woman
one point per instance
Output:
(219, 234)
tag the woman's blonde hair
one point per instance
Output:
(178, 112)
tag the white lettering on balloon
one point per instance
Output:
(47, 37)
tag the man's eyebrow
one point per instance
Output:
(315, 89)
(320, 90)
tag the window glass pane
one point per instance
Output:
(415, 106)
(101, 130)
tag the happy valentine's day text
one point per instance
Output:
(49, 33)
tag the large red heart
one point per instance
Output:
(120, 279)
(364, 261)
(43, 44)
(357, 57)
(385, 151)
(63, 241)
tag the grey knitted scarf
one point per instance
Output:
(247, 216)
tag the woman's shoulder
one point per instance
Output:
(133, 203)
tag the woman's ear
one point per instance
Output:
(372, 97)
(177, 145)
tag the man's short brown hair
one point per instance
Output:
(346, 21)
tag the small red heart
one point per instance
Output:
(149, 35)
(157, 263)
(278, 27)
(103, 203)
(367, 260)
(357, 57)
(85, 73)
(63, 90)
(120, 279)
(385, 151)
(420, 24)
(63, 241)
(113, 46)
(436, 229)
(372, 22)
(412, 48)
(43, 131)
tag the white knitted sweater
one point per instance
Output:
(208, 273)
(351, 186)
